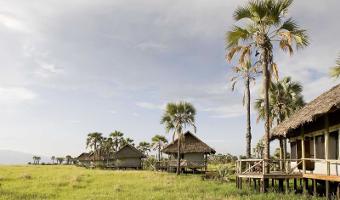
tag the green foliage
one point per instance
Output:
(335, 71)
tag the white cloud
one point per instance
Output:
(16, 94)
(150, 106)
(13, 23)
(227, 111)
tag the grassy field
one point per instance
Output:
(69, 182)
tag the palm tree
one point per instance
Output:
(68, 159)
(246, 72)
(53, 159)
(335, 71)
(177, 117)
(285, 98)
(126, 141)
(158, 142)
(144, 147)
(266, 24)
(107, 148)
(117, 138)
(93, 142)
(60, 160)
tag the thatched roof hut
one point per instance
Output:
(84, 157)
(327, 103)
(128, 151)
(192, 144)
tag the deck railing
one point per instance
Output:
(265, 166)
(283, 166)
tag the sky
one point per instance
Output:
(68, 68)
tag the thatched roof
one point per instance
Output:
(192, 144)
(84, 156)
(327, 102)
(128, 151)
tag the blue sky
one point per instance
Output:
(73, 67)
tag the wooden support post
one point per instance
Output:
(241, 183)
(287, 186)
(326, 153)
(262, 185)
(305, 186)
(315, 187)
(273, 184)
(303, 150)
(254, 184)
(338, 191)
(295, 185)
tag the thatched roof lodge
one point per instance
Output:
(128, 157)
(327, 104)
(314, 136)
(193, 152)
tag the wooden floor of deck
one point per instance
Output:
(271, 175)
(332, 178)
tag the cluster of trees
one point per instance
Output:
(54, 160)
(222, 158)
(105, 147)
(266, 24)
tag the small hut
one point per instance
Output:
(128, 157)
(84, 159)
(313, 134)
(194, 153)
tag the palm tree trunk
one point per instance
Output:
(248, 131)
(159, 153)
(178, 155)
(266, 83)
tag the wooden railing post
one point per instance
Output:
(263, 167)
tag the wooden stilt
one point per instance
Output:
(295, 185)
(338, 191)
(241, 183)
(255, 184)
(287, 186)
(327, 190)
(262, 185)
(305, 186)
(314, 187)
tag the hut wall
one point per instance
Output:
(129, 162)
(194, 156)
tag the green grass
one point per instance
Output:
(69, 182)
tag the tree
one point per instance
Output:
(60, 160)
(36, 160)
(126, 141)
(93, 142)
(177, 117)
(258, 150)
(68, 159)
(53, 159)
(117, 138)
(335, 71)
(246, 72)
(144, 147)
(285, 98)
(107, 148)
(265, 24)
(158, 142)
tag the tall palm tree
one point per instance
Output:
(144, 147)
(177, 117)
(285, 98)
(265, 24)
(117, 138)
(335, 71)
(245, 72)
(158, 142)
(93, 142)
(126, 141)
(107, 148)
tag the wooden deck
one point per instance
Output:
(170, 165)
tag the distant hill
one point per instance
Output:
(9, 157)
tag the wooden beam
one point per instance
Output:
(327, 153)
(303, 150)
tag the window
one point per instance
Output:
(333, 148)
(320, 146)
(293, 150)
